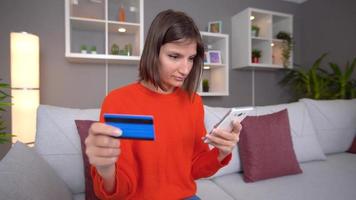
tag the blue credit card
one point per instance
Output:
(133, 126)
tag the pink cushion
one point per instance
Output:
(353, 147)
(83, 128)
(266, 147)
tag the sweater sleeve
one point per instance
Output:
(125, 170)
(205, 161)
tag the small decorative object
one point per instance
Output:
(214, 57)
(115, 49)
(215, 27)
(206, 58)
(128, 49)
(205, 85)
(83, 48)
(122, 14)
(256, 54)
(286, 46)
(93, 49)
(255, 30)
(122, 52)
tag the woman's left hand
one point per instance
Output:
(223, 140)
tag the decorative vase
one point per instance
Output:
(122, 14)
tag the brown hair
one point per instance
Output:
(169, 26)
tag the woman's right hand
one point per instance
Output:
(102, 149)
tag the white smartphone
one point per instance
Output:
(234, 113)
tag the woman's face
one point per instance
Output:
(175, 62)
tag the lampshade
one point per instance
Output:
(24, 85)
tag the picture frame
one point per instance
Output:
(215, 27)
(214, 57)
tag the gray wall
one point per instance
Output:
(319, 26)
(328, 26)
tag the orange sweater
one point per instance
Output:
(167, 167)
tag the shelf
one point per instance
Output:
(213, 93)
(261, 38)
(101, 58)
(213, 65)
(244, 40)
(217, 74)
(93, 23)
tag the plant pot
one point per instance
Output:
(255, 60)
(83, 51)
(254, 33)
(205, 88)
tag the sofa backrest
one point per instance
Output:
(58, 142)
(334, 122)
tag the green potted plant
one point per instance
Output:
(255, 30)
(256, 54)
(4, 137)
(93, 49)
(287, 46)
(342, 86)
(205, 85)
(317, 83)
(115, 49)
(83, 48)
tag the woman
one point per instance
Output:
(166, 168)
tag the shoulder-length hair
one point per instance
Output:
(170, 26)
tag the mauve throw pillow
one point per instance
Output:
(353, 147)
(83, 127)
(266, 148)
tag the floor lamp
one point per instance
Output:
(24, 85)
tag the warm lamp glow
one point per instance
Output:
(122, 30)
(25, 103)
(24, 85)
(24, 60)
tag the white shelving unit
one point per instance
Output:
(96, 23)
(216, 73)
(270, 24)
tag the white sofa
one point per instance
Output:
(321, 133)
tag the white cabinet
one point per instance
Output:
(269, 24)
(100, 24)
(216, 65)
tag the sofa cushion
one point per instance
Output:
(58, 142)
(25, 175)
(83, 128)
(305, 142)
(334, 121)
(208, 190)
(332, 179)
(352, 149)
(211, 117)
(266, 147)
